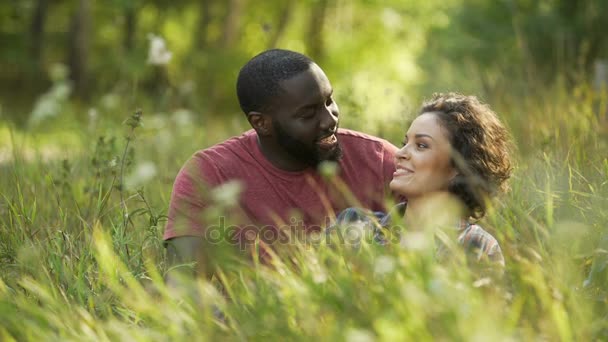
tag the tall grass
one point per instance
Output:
(81, 255)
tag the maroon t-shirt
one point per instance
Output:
(271, 197)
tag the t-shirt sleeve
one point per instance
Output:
(189, 198)
(388, 162)
(388, 168)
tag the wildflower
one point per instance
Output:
(110, 101)
(228, 193)
(58, 72)
(391, 19)
(416, 241)
(328, 169)
(359, 335)
(143, 173)
(158, 54)
(183, 118)
(384, 264)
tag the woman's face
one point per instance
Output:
(423, 163)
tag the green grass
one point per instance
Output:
(74, 267)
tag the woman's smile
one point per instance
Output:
(402, 171)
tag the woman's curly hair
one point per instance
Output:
(481, 148)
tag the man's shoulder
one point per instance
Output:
(224, 158)
(359, 141)
(350, 134)
(229, 149)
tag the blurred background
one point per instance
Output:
(69, 60)
(77, 162)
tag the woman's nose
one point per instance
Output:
(403, 153)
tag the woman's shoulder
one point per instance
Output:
(474, 238)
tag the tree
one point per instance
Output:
(37, 32)
(282, 20)
(79, 46)
(315, 29)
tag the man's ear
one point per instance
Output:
(261, 123)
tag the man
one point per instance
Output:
(288, 101)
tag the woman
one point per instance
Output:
(455, 148)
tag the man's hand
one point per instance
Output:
(187, 258)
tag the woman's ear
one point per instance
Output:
(261, 123)
(453, 174)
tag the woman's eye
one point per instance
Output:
(329, 101)
(421, 145)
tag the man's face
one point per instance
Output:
(305, 118)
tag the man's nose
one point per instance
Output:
(329, 119)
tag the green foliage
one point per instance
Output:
(82, 256)
(84, 192)
(535, 42)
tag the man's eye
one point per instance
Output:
(329, 101)
(309, 114)
(421, 145)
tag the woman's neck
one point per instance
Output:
(434, 209)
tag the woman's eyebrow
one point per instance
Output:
(422, 135)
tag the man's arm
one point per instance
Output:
(186, 255)
(187, 259)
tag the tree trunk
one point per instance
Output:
(600, 84)
(231, 24)
(204, 20)
(78, 53)
(37, 32)
(282, 21)
(130, 24)
(315, 30)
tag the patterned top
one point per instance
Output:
(478, 243)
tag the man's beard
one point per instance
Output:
(311, 155)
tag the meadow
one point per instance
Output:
(85, 178)
(83, 210)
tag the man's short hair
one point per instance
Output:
(259, 79)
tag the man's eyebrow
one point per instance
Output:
(306, 106)
(310, 105)
(423, 135)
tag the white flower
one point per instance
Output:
(143, 173)
(391, 19)
(58, 72)
(110, 101)
(182, 117)
(416, 241)
(359, 335)
(45, 107)
(227, 194)
(158, 54)
(93, 115)
(384, 264)
(50, 103)
(319, 277)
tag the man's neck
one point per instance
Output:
(280, 159)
